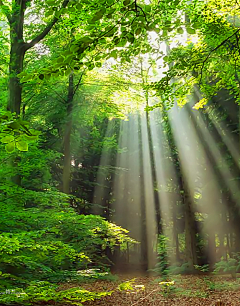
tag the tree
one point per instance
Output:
(70, 14)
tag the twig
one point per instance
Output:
(143, 298)
(78, 83)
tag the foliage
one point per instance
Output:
(207, 60)
(180, 269)
(15, 132)
(231, 266)
(203, 268)
(167, 287)
(126, 286)
(43, 238)
(161, 268)
(49, 241)
(45, 292)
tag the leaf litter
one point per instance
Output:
(183, 290)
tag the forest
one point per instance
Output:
(119, 152)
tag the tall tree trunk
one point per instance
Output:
(67, 137)
(17, 52)
(152, 161)
(154, 176)
(144, 237)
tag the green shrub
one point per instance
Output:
(44, 241)
(203, 268)
(179, 269)
(231, 266)
(46, 293)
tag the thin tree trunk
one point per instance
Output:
(175, 235)
(152, 161)
(67, 137)
(211, 248)
(154, 177)
(190, 235)
(144, 237)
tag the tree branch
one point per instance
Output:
(79, 83)
(48, 28)
(5, 11)
(214, 49)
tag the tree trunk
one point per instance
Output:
(211, 249)
(144, 237)
(67, 137)
(154, 176)
(190, 235)
(15, 87)
(17, 52)
(175, 235)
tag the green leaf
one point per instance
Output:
(34, 132)
(10, 147)
(126, 2)
(130, 38)
(113, 54)
(147, 8)
(122, 42)
(79, 6)
(7, 139)
(30, 138)
(14, 125)
(26, 78)
(22, 145)
(180, 30)
(24, 123)
(86, 40)
(111, 32)
(98, 15)
(164, 33)
(138, 31)
(190, 31)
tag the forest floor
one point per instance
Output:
(186, 290)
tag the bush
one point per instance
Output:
(46, 293)
(43, 241)
(51, 242)
(231, 265)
